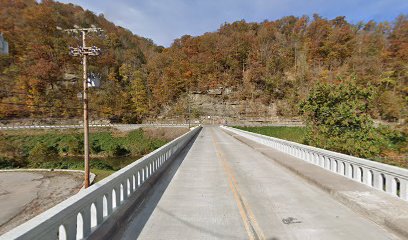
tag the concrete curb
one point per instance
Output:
(385, 210)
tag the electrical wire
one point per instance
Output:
(50, 106)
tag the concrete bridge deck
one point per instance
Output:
(224, 189)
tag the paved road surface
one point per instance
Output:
(223, 189)
(24, 195)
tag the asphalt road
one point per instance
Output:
(224, 189)
(24, 195)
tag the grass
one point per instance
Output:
(63, 149)
(294, 134)
(101, 174)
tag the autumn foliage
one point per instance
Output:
(276, 62)
(34, 80)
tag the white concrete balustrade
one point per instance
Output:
(391, 179)
(78, 216)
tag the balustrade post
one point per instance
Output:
(389, 186)
(109, 204)
(404, 189)
(71, 228)
(99, 210)
(365, 176)
(117, 197)
(86, 219)
(125, 189)
(348, 170)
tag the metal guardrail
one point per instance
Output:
(80, 215)
(387, 178)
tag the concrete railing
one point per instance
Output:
(80, 215)
(393, 180)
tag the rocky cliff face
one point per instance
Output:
(221, 106)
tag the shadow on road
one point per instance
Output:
(144, 211)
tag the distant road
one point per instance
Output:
(124, 127)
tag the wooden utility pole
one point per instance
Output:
(85, 51)
(189, 108)
(86, 119)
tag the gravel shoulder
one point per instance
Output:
(23, 195)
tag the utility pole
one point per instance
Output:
(83, 52)
(189, 108)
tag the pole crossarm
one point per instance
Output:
(85, 30)
(81, 51)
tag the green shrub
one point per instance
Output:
(6, 163)
(338, 119)
(118, 151)
(72, 146)
(95, 147)
(42, 153)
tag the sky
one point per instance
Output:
(166, 20)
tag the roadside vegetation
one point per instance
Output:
(294, 134)
(338, 118)
(63, 149)
(393, 147)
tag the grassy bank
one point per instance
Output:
(63, 149)
(294, 134)
(394, 145)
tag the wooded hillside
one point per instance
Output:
(273, 62)
(279, 61)
(40, 79)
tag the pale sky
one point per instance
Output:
(165, 20)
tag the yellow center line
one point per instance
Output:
(251, 226)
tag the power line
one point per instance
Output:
(46, 108)
(53, 106)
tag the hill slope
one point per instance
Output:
(243, 70)
(272, 65)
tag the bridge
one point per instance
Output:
(224, 183)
